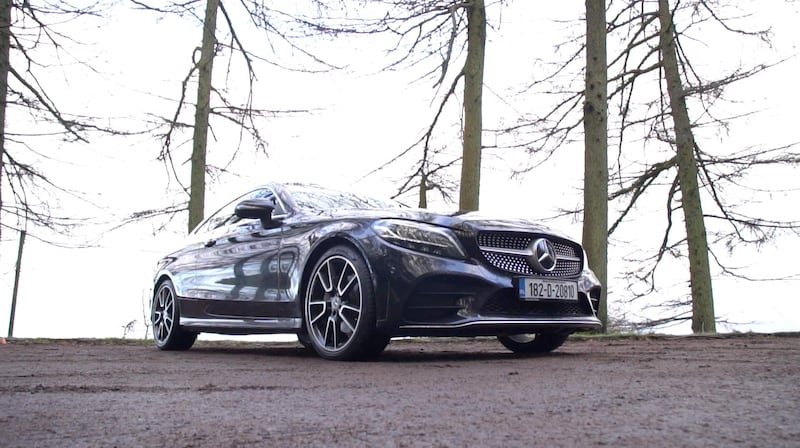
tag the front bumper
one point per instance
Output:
(425, 295)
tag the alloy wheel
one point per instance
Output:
(522, 338)
(163, 314)
(334, 303)
(533, 342)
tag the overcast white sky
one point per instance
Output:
(361, 119)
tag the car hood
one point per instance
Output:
(466, 222)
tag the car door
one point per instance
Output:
(237, 273)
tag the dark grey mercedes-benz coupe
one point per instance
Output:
(347, 273)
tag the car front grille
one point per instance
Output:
(510, 251)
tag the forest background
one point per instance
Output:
(334, 115)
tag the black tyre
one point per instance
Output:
(533, 343)
(376, 345)
(305, 340)
(165, 316)
(340, 307)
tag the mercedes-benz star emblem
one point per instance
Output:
(544, 255)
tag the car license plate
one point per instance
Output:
(546, 289)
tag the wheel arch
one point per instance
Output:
(160, 278)
(316, 254)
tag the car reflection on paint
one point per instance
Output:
(347, 273)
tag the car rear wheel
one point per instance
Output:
(340, 307)
(533, 343)
(165, 316)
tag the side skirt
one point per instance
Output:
(242, 326)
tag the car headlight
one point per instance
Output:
(588, 279)
(419, 237)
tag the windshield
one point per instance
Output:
(317, 198)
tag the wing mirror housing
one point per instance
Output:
(257, 209)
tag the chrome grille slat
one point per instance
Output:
(508, 251)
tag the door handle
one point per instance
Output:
(211, 243)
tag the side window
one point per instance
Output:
(266, 193)
(221, 217)
(226, 215)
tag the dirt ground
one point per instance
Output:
(739, 390)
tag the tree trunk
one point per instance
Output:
(703, 319)
(5, 64)
(423, 190)
(200, 139)
(595, 125)
(473, 95)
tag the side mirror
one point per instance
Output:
(256, 209)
